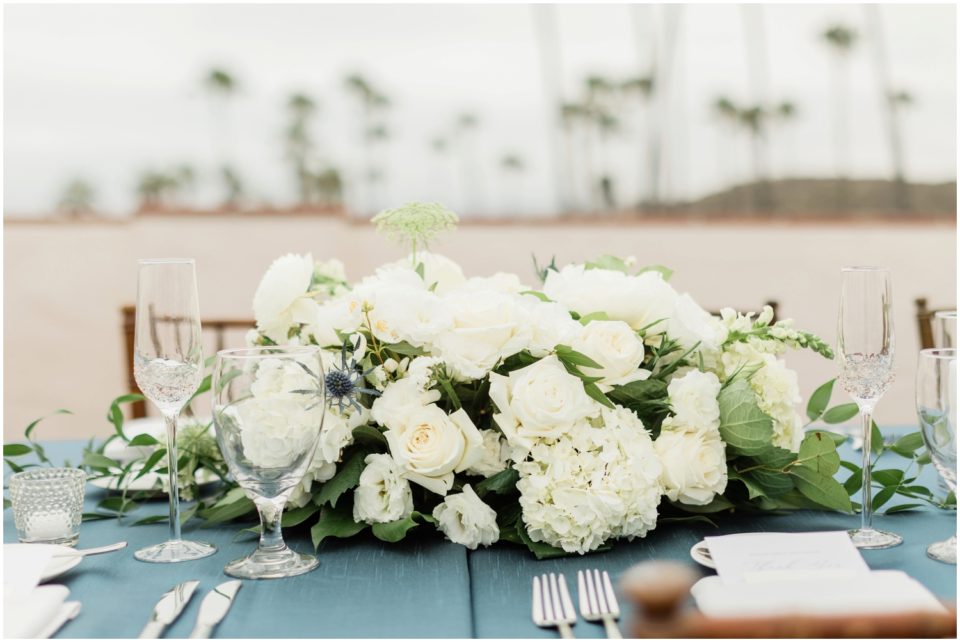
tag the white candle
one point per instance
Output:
(49, 526)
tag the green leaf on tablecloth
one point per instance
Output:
(819, 400)
(822, 489)
(924, 458)
(347, 478)
(819, 453)
(297, 516)
(143, 439)
(899, 508)
(16, 450)
(98, 461)
(93, 517)
(366, 435)
(396, 530)
(220, 513)
(33, 424)
(501, 483)
(745, 428)
(202, 389)
(841, 413)
(334, 522)
(907, 445)
(152, 519)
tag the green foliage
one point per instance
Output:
(572, 361)
(395, 531)
(335, 522)
(347, 478)
(501, 483)
(743, 426)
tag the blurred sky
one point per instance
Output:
(106, 92)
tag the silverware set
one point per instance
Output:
(212, 610)
(553, 608)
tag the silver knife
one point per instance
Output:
(214, 607)
(168, 609)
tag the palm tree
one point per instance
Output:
(299, 143)
(78, 198)
(374, 130)
(841, 41)
(512, 166)
(221, 85)
(893, 101)
(754, 120)
(328, 186)
(465, 127)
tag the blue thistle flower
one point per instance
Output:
(343, 383)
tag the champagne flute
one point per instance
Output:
(168, 367)
(937, 411)
(268, 409)
(945, 329)
(865, 346)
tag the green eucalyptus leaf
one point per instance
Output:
(819, 400)
(774, 483)
(854, 482)
(347, 478)
(841, 413)
(745, 428)
(143, 439)
(152, 519)
(908, 444)
(876, 438)
(151, 461)
(825, 491)
(887, 477)
(819, 453)
(404, 349)
(227, 512)
(16, 450)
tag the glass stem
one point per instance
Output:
(866, 513)
(271, 510)
(172, 470)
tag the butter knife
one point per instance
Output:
(214, 608)
(168, 609)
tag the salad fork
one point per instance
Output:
(598, 601)
(552, 605)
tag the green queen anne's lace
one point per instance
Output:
(416, 224)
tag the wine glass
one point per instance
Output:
(268, 409)
(865, 349)
(937, 411)
(168, 367)
(945, 329)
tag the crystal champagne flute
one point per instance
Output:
(865, 347)
(168, 367)
(937, 412)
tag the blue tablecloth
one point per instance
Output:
(422, 587)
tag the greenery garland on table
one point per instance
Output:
(666, 413)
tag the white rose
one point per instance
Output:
(540, 401)
(382, 494)
(690, 325)
(550, 323)
(407, 314)
(466, 520)
(693, 398)
(338, 315)
(494, 458)
(486, 327)
(437, 269)
(639, 300)
(618, 350)
(430, 446)
(694, 465)
(280, 300)
(393, 406)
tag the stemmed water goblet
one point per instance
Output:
(168, 368)
(937, 412)
(865, 348)
(268, 409)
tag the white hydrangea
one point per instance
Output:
(466, 520)
(593, 484)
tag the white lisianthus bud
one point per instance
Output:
(466, 520)
(382, 494)
(391, 365)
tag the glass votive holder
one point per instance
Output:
(47, 505)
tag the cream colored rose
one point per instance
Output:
(618, 350)
(466, 520)
(430, 446)
(694, 466)
(382, 495)
(280, 300)
(540, 401)
(407, 314)
(693, 398)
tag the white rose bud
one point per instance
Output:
(382, 495)
(466, 520)
(694, 466)
(391, 365)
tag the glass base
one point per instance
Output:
(175, 551)
(66, 540)
(872, 538)
(945, 551)
(266, 564)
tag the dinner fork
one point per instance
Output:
(598, 601)
(552, 605)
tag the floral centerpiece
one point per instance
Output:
(562, 414)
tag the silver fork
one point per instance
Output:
(598, 601)
(552, 605)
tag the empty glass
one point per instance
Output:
(865, 344)
(937, 412)
(47, 505)
(945, 329)
(268, 409)
(168, 367)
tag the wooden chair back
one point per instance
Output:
(218, 328)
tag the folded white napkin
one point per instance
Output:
(31, 611)
(872, 592)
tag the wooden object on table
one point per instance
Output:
(660, 593)
(217, 327)
(773, 304)
(925, 322)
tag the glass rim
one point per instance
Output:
(68, 473)
(864, 268)
(945, 314)
(165, 261)
(266, 352)
(939, 353)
